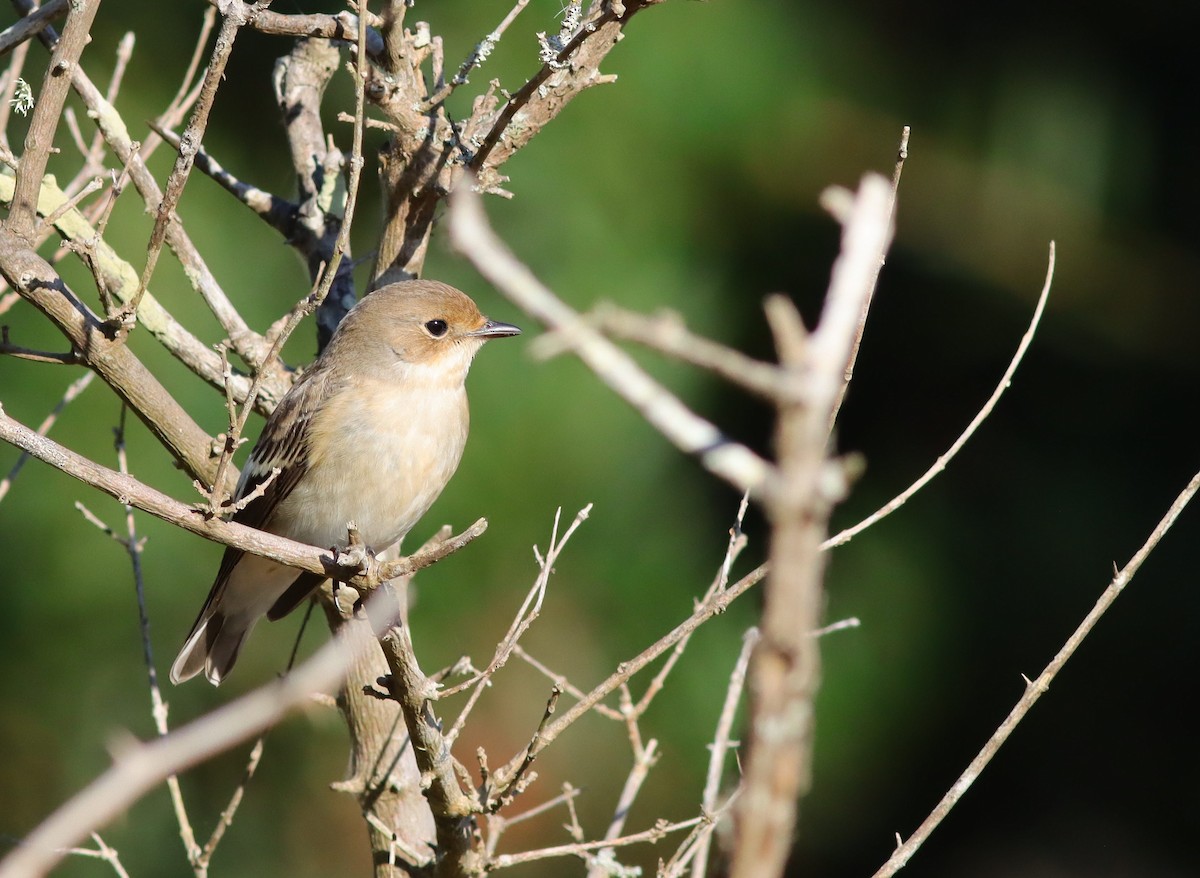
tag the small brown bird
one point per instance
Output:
(369, 435)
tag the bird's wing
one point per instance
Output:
(283, 445)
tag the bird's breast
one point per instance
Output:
(380, 454)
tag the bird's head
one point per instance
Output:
(417, 324)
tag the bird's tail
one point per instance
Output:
(213, 646)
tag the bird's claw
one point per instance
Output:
(356, 555)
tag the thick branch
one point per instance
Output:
(40, 284)
(314, 227)
(342, 26)
(453, 811)
(121, 281)
(383, 775)
(248, 344)
(785, 669)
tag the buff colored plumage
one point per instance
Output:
(369, 435)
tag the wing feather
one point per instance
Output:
(283, 445)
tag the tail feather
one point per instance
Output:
(212, 647)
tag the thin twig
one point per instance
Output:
(715, 605)
(840, 625)
(102, 852)
(192, 135)
(656, 832)
(719, 748)
(482, 50)
(277, 212)
(848, 372)
(73, 390)
(940, 464)
(207, 22)
(737, 542)
(141, 767)
(134, 547)
(642, 763)
(227, 815)
(1036, 688)
(523, 775)
(95, 185)
(525, 617)
(568, 687)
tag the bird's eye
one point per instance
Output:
(436, 328)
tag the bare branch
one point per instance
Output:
(525, 617)
(567, 686)
(190, 142)
(102, 852)
(482, 50)
(718, 750)
(665, 332)
(642, 763)
(737, 542)
(471, 235)
(318, 227)
(940, 464)
(29, 26)
(848, 372)
(715, 605)
(204, 857)
(522, 775)
(143, 766)
(64, 60)
(120, 279)
(342, 26)
(39, 283)
(130, 491)
(279, 213)
(207, 22)
(655, 833)
(76, 387)
(116, 135)
(134, 546)
(571, 64)
(451, 807)
(1036, 688)
(786, 664)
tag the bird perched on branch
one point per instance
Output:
(368, 436)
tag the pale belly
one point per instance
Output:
(390, 469)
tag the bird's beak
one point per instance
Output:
(495, 329)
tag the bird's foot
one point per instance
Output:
(355, 555)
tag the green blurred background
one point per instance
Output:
(692, 184)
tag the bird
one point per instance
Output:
(368, 436)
